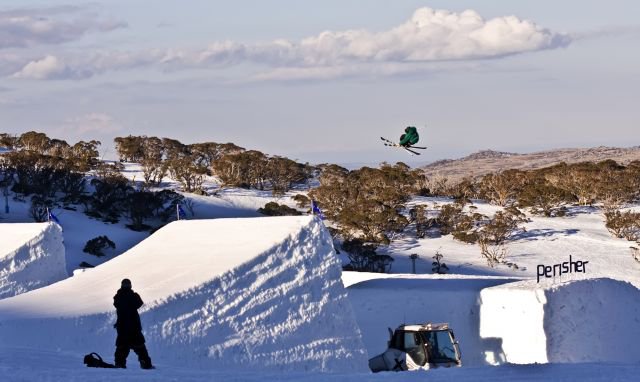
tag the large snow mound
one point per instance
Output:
(32, 255)
(592, 320)
(383, 301)
(256, 292)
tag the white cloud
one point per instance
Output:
(55, 25)
(47, 67)
(428, 36)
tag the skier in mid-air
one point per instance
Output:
(410, 137)
(407, 140)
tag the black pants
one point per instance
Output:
(122, 352)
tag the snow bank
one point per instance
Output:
(263, 293)
(32, 255)
(592, 320)
(384, 301)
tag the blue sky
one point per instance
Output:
(321, 82)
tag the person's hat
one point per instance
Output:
(126, 283)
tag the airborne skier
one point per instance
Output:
(410, 137)
(407, 140)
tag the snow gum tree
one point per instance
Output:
(98, 245)
(363, 257)
(367, 202)
(501, 188)
(623, 224)
(49, 167)
(544, 198)
(253, 169)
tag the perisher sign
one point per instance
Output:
(570, 266)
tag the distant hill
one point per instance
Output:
(487, 161)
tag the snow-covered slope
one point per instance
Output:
(31, 256)
(592, 320)
(263, 292)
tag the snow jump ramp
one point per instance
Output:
(256, 292)
(590, 320)
(32, 255)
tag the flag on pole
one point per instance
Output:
(181, 213)
(53, 217)
(316, 210)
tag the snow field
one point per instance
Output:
(213, 299)
(32, 255)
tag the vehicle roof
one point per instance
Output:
(424, 327)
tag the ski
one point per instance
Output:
(388, 142)
(411, 151)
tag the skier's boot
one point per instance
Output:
(146, 364)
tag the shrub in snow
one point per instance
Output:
(275, 209)
(363, 257)
(438, 266)
(474, 227)
(544, 198)
(302, 201)
(108, 200)
(450, 217)
(97, 245)
(39, 208)
(502, 187)
(623, 224)
(139, 207)
(504, 225)
(493, 253)
(467, 226)
(423, 223)
(462, 192)
(437, 185)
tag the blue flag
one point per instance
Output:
(53, 217)
(181, 213)
(316, 210)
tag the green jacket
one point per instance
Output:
(410, 136)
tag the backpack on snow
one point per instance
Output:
(94, 360)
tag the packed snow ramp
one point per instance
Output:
(592, 320)
(31, 256)
(262, 293)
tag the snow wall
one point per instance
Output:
(260, 293)
(32, 255)
(593, 320)
(386, 301)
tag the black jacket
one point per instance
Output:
(128, 325)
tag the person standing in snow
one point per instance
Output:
(129, 328)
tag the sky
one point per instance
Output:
(322, 82)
